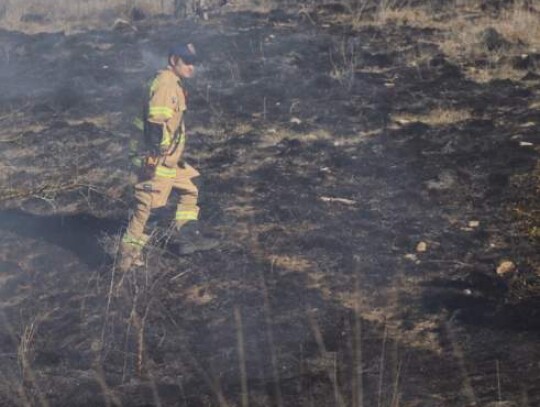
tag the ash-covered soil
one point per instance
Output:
(358, 253)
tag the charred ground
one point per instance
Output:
(328, 151)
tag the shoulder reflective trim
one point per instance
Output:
(128, 239)
(165, 172)
(138, 123)
(164, 111)
(187, 215)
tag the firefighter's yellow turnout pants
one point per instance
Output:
(153, 192)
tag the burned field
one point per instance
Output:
(364, 189)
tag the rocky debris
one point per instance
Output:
(474, 224)
(295, 120)
(445, 180)
(506, 268)
(122, 25)
(421, 247)
(344, 201)
(492, 40)
(412, 257)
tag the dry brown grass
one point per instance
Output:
(491, 72)
(459, 33)
(461, 43)
(436, 117)
(61, 14)
(416, 17)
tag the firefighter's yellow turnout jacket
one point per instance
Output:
(162, 117)
(158, 154)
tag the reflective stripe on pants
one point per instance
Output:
(154, 193)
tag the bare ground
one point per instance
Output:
(328, 154)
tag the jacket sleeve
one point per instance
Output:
(162, 103)
(163, 117)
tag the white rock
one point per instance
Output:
(295, 120)
(421, 247)
(506, 267)
(446, 180)
(411, 257)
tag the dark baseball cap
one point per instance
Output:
(186, 52)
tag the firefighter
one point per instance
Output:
(161, 167)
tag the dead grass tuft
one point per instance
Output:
(519, 25)
(45, 15)
(436, 117)
(459, 34)
(415, 17)
(493, 71)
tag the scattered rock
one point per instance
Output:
(412, 257)
(505, 268)
(344, 201)
(123, 26)
(446, 180)
(421, 247)
(474, 224)
(492, 40)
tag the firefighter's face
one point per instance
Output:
(182, 69)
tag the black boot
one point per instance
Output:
(191, 240)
